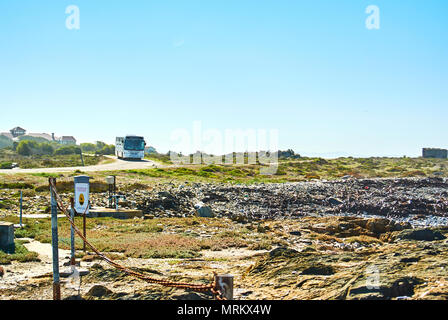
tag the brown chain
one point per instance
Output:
(166, 283)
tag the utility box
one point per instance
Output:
(6, 236)
(82, 190)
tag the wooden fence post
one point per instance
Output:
(224, 284)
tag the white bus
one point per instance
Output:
(130, 147)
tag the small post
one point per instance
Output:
(82, 159)
(224, 284)
(72, 233)
(54, 243)
(21, 207)
(84, 232)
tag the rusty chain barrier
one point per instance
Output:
(167, 283)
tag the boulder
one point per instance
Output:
(319, 269)
(335, 201)
(283, 252)
(421, 235)
(203, 211)
(99, 291)
(378, 226)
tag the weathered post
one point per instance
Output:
(82, 159)
(54, 242)
(21, 207)
(72, 233)
(84, 231)
(224, 284)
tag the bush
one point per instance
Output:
(31, 147)
(107, 150)
(46, 148)
(5, 165)
(68, 150)
(25, 148)
(5, 142)
(88, 147)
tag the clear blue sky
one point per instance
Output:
(310, 69)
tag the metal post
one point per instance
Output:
(224, 284)
(84, 229)
(54, 243)
(82, 159)
(21, 207)
(72, 233)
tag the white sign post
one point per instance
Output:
(82, 189)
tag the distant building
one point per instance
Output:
(67, 140)
(17, 132)
(435, 153)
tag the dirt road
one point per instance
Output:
(117, 164)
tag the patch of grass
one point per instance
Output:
(46, 175)
(364, 240)
(21, 254)
(16, 185)
(261, 245)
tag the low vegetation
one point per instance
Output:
(302, 169)
(63, 157)
(20, 254)
(154, 238)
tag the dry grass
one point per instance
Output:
(154, 238)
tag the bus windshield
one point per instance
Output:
(135, 144)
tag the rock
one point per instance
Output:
(378, 226)
(283, 252)
(74, 297)
(203, 211)
(319, 269)
(421, 235)
(295, 233)
(410, 260)
(88, 258)
(401, 287)
(335, 201)
(99, 291)
(187, 296)
(2, 272)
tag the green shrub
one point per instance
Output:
(66, 150)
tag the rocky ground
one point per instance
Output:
(348, 239)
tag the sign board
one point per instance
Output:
(82, 189)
